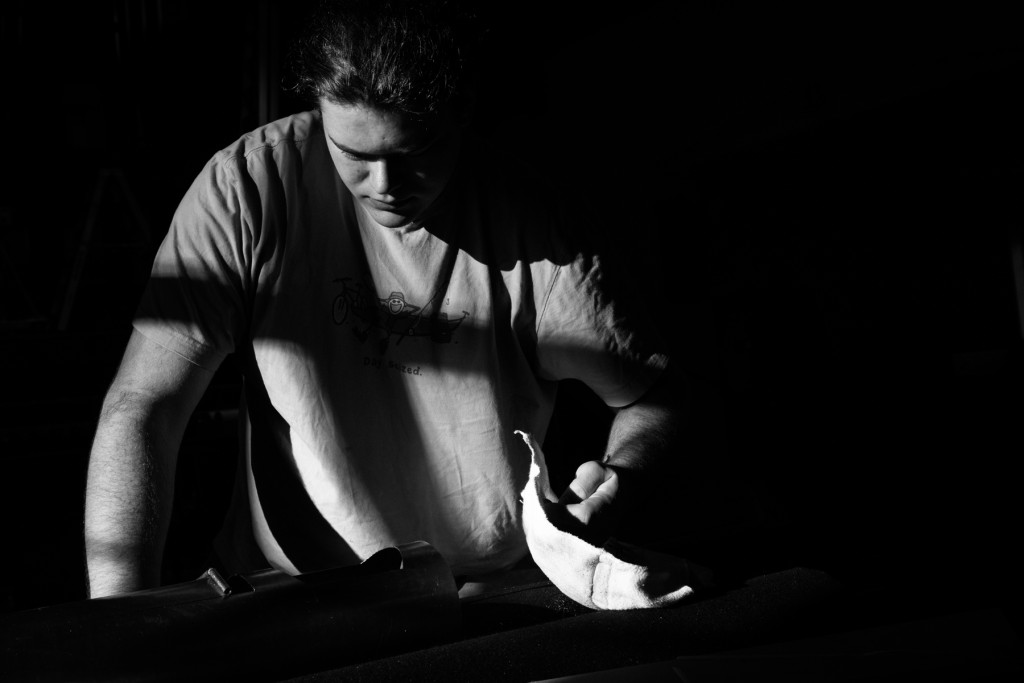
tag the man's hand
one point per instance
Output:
(592, 501)
(642, 435)
(591, 493)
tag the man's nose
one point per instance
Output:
(382, 176)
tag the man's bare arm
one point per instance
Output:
(644, 432)
(130, 482)
(642, 435)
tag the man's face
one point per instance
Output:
(395, 169)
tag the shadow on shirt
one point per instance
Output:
(306, 537)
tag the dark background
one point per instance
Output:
(821, 208)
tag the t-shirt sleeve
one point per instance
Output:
(588, 331)
(194, 303)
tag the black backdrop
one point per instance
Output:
(821, 208)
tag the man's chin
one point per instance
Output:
(390, 219)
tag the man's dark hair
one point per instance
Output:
(408, 56)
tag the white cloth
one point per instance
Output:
(615, 576)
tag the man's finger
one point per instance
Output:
(595, 505)
(589, 477)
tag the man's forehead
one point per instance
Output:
(369, 130)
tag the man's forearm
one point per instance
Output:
(129, 492)
(644, 433)
(643, 436)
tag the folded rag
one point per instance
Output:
(615, 576)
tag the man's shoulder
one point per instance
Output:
(502, 179)
(493, 163)
(291, 132)
(524, 204)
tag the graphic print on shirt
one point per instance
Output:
(391, 316)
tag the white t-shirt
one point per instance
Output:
(387, 369)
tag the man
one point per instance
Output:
(402, 300)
